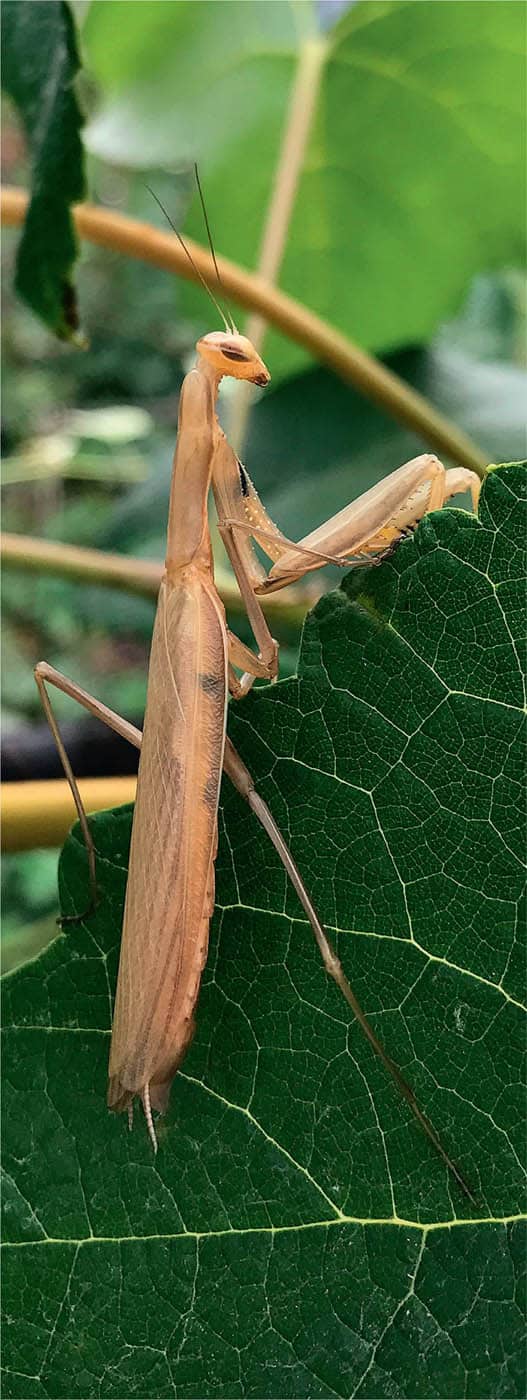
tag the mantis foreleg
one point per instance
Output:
(372, 525)
(367, 529)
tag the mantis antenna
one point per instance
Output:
(186, 250)
(211, 245)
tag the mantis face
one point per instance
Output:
(233, 354)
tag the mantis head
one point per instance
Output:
(233, 354)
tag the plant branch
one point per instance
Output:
(139, 240)
(131, 575)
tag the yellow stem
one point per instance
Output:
(41, 813)
(142, 576)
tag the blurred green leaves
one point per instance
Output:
(296, 1234)
(411, 179)
(40, 63)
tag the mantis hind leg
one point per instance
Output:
(241, 778)
(47, 675)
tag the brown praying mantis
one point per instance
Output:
(195, 662)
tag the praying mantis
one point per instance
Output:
(195, 663)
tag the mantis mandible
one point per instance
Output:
(194, 664)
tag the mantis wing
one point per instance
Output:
(170, 890)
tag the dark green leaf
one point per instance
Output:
(40, 63)
(296, 1234)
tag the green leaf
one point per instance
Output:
(409, 179)
(296, 1234)
(39, 69)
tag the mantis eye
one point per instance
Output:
(233, 354)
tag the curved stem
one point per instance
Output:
(131, 575)
(139, 240)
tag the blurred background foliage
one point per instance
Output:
(406, 233)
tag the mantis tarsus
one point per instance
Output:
(170, 890)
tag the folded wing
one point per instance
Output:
(170, 890)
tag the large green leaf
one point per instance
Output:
(39, 68)
(409, 182)
(296, 1234)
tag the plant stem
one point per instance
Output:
(293, 144)
(131, 575)
(139, 240)
(41, 813)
